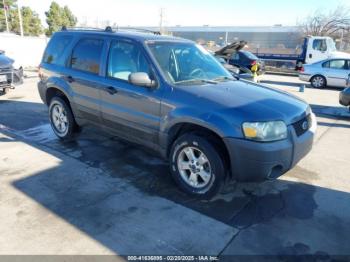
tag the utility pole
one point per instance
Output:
(20, 18)
(161, 20)
(7, 22)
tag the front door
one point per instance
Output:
(316, 50)
(131, 111)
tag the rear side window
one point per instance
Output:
(338, 64)
(86, 55)
(55, 49)
(325, 64)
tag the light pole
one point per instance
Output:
(20, 18)
(7, 22)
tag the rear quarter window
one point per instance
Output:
(55, 49)
(86, 55)
(325, 64)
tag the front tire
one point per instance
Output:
(196, 166)
(318, 81)
(61, 119)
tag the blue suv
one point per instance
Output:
(171, 95)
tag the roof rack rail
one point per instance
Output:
(65, 28)
(111, 29)
(127, 28)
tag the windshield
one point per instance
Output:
(187, 63)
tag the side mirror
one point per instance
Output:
(141, 79)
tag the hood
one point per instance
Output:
(337, 54)
(5, 61)
(241, 101)
(230, 49)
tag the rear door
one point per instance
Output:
(337, 72)
(84, 76)
(131, 111)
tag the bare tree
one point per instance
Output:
(327, 24)
(335, 24)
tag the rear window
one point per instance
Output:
(250, 55)
(86, 55)
(55, 49)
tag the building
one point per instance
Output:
(265, 37)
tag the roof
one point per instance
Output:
(130, 34)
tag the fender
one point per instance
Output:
(211, 121)
(60, 84)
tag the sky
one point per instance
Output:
(190, 12)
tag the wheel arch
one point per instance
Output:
(215, 138)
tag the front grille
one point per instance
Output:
(302, 125)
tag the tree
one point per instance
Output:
(10, 5)
(57, 17)
(327, 24)
(335, 24)
(30, 19)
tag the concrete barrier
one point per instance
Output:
(26, 51)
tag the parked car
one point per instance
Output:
(171, 95)
(329, 72)
(344, 97)
(242, 59)
(241, 73)
(9, 76)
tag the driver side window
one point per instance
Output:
(125, 58)
(320, 45)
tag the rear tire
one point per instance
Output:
(318, 81)
(196, 166)
(61, 119)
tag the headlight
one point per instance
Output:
(265, 131)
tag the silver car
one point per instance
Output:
(330, 72)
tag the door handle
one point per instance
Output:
(111, 90)
(70, 79)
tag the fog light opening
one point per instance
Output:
(276, 171)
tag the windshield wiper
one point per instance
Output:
(224, 78)
(196, 80)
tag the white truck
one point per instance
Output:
(314, 49)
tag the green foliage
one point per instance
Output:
(10, 3)
(31, 21)
(57, 17)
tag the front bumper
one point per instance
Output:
(255, 161)
(10, 76)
